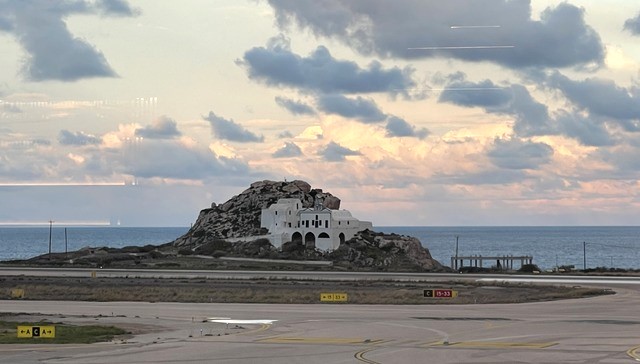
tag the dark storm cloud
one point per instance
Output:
(169, 159)
(276, 65)
(397, 127)
(389, 29)
(519, 154)
(230, 130)
(53, 53)
(67, 137)
(599, 96)
(365, 110)
(289, 150)
(295, 107)
(162, 128)
(633, 25)
(334, 152)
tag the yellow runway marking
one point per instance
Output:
(319, 340)
(633, 353)
(493, 344)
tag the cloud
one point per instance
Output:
(162, 128)
(533, 118)
(633, 25)
(171, 159)
(53, 53)
(295, 107)
(117, 8)
(277, 66)
(289, 150)
(519, 154)
(600, 97)
(588, 131)
(486, 177)
(229, 130)
(334, 152)
(484, 93)
(397, 127)
(559, 39)
(285, 134)
(67, 137)
(26, 143)
(11, 108)
(365, 110)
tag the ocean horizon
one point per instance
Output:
(550, 246)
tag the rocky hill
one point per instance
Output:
(240, 216)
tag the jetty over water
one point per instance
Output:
(500, 262)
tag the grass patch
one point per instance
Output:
(281, 290)
(65, 334)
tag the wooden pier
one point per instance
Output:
(500, 262)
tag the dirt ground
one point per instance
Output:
(277, 291)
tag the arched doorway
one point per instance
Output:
(341, 236)
(310, 241)
(324, 242)
(296, 238)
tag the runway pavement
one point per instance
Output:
(603, 329)
(323, 275)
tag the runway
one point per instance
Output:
(323, 275)
(603, 329)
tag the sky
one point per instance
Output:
(412, 112)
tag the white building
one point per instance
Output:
(317, 227)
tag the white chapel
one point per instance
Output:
(317, 227)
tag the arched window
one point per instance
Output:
(323, 236)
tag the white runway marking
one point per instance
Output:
(241, 322)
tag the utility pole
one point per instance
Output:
(456, 252)
(65, 242)
(584, 255)
(50, 228)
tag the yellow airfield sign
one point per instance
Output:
(333, 297)
(45, 332)
(17, 293)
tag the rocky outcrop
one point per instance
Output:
(369, 250)
(240, 216)
(366, 251)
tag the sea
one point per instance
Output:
(550, 247)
